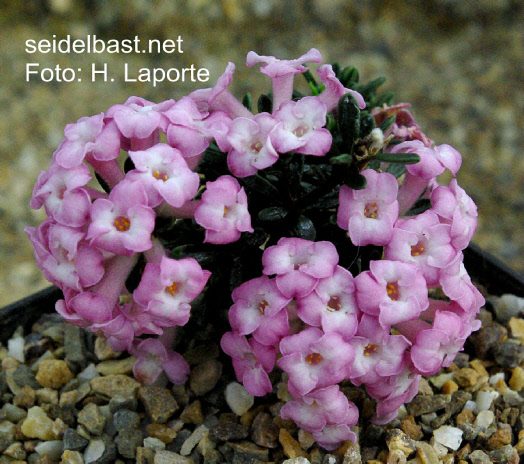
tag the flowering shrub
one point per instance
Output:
(317, 221)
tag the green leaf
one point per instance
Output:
(384, 126)
(304, 228)
(402, 158)
(396, 169)
(348, 115)
(247, 101)
(349, 76)
(386, 98)
(342, 159)
(264, 104)
(368, 90)
(271, 214)
(367, 124)
(315, 88)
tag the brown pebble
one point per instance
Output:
(396, 457)
(478, 365)
(162, 432)
(159, 403)
(449, 387)
(264, 431)
(192, 413)
(517, 379)
(427, 454)
(502, 436)
(396, 439)
(411, 428)
(26, 397)
(466, 416)
(53, 373)
(292, 448)
(466, 377)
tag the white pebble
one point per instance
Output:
(507, 306)
(485, 398)
(299, 460)
(496, 377)
(439, 448)
(484, 419)
(439, 380)
(470, 405)
(94, 451)
(15, 348)
(427, 418)
(154, 444)
(51, 448)
(448, 436)
(238, 399)
(89, 373)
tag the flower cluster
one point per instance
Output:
(323, 214)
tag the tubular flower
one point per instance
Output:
(369, 214)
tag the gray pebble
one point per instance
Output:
(127, 441)
(205, 376)
(91, 418)
(509, 354)
(423, 404)
(479, 457)
(73, 441)
(124, 418)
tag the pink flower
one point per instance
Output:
(457, 286)
(334, 89)
(251, 145)
(455, 207)
(152, 358)
(119, 330)
(332, 437)
(259, 309)
(251, 360)
(167, 288)
(60, 191)
(164, 174)
(332, 305)
(320, 407)
(369, 214)
(223, 211)
(190, 131)
(63, 256)
(423, 241)
(313, 359)
(298, 264)
(282, 72)
(302, 127)
(220, 98)
(123, 223)
(378, 354)
(138, 118)
(393, 291)
(79, 140)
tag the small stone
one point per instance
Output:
(91, 418)
(162, 432)
(247, 452)
(466, 377)
(116, 366)
(155, 444)
(299, 460)
(291, 446)
(13, 413)
(46, 395)
(396, 439)
(75, 345)
(411, 428)
(38, 425)
(509, 354)
(448, 436)
(424, 388)
(503, 454)
(192, 413)
(305, 439)
(396, 457)
(238, 399)
(439, 380)
(516, 327)
(118, 402)
(484, 399)
(144, 455)
(229, 430)
(52, 449)
(423, 404)
(193, 440)
(94, 451)
(72, 457)
(169, 457)
(517, 378)
(449, 387)
(205, 376)
(158, 402)
(427, 454)
(26, 398)
(23, 376)
(124, 418)
(484, 419)
(15, 348)
(502, 436)
(127, 441)
(479, 457)
(264, 432)
(112, 385)
(487, 338)
(53, 373)
(103, 350)
(73, 441)
(16, 451)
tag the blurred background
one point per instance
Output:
(459, 63)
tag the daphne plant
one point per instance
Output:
(316, 228)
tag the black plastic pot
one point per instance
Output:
(484, 269)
